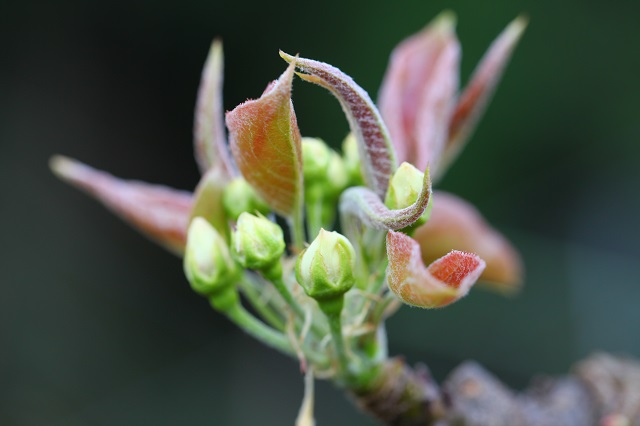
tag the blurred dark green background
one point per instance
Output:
(98, 327)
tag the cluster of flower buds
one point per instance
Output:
(326, 302)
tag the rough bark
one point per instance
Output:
(602, 390)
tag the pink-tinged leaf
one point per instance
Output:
(419, 90)
(440, 284)
(209, 132)
(374, 144)
(456, 224)
(480, 88)
(207, 200)
(159, 212)
(266, 144)
(365, 205)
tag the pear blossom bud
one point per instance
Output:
(316, 156)
(352, 159)
(257, 242)
(207, 262)
(239, 197)
(337, 174)
(404, 188)
(325, 268)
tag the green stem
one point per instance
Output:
(335, 324)
(282, 288)
(332, 308)
(296, 225)
(264, 309)
(259, 330)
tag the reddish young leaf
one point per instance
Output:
(456, 224)
(266, 144)
(374, 143)
(365, 205)
(480, 88)
(419, 90)
(209, 133)
(440, 284)
(160, 213)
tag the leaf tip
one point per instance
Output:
(516, 28)
(445, 22)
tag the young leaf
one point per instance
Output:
(365, 205)
(266, 144)
(456, 224)
(209, 133)
(440, 284)
(418, 92)
(480, 88)
(160, 213)
(374, 143)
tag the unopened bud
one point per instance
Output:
(257, 242)
(207, 262)
(325, 268)
(404, 188)
(316, 156)
(352, 159)
(239, 197)
(337, 176)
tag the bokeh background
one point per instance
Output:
(98, 327)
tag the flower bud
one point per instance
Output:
(316, 156)
(239, 197)
(404, 188)
(337, 175)
(325, 268)
(207, 262)
(257, 242)
(352, 159)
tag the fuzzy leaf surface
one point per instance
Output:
(441, 283)
(266, 144)
(210, 142)
(159, 212)
(374, 143)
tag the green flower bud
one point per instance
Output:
(338, 178)
(239, 197)
(325, 268)
(316, 156)
(404, 188)
(207, 262)
(257, 243)
(352, 159)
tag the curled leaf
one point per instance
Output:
(419, 90)
(159, 212)
(209, 133)
(480, 88)
(456, 224)
(266, 144)
(374, 142)
(441, 283)
(365, 205)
